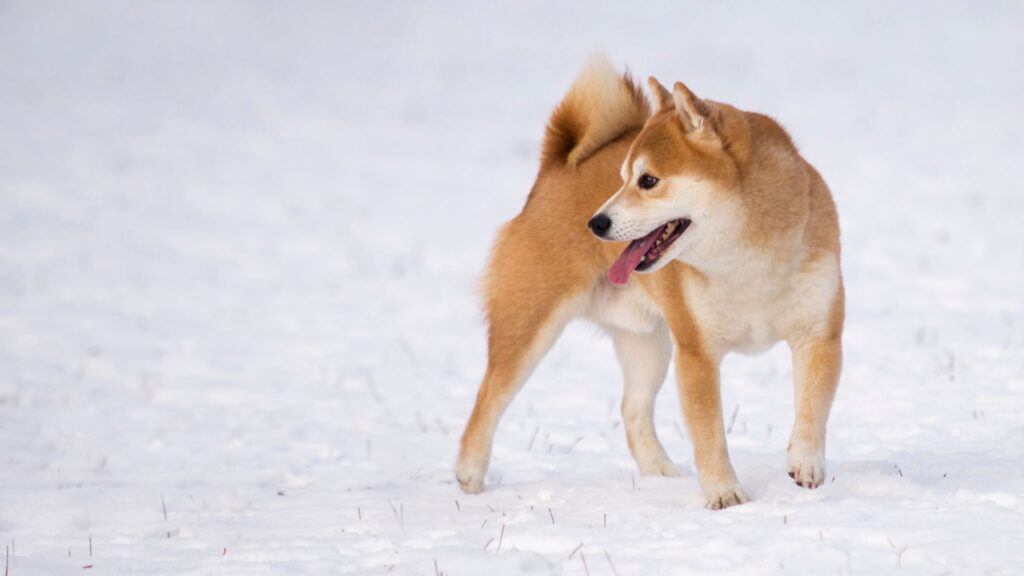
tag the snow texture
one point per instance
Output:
(240, 333)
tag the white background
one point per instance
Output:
(239, 332)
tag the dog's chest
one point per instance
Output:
(744, 320)
(751, 315)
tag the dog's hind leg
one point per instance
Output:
(527, 310)
(516, 345)
(644, 358)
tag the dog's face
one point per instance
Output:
(680, 192)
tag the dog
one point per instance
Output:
(682, 227)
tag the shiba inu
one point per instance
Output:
(682, 227)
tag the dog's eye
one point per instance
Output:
(646, 182)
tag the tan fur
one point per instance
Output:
(759, 264)
(599, 108)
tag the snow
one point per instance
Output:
(239, 328)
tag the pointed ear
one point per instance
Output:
(662, 97)
(692, 110)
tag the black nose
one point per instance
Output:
(599, 225)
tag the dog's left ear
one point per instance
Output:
(662, 97)
(694, 113)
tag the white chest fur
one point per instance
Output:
(749, 313)
(623, 307)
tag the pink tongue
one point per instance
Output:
(630, 257)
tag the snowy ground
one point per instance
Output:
(239, 333)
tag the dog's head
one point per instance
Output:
(680, 197)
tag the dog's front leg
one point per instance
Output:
(699, 393)
(644, 359)
(816, 368)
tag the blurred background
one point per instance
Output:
(239, 247)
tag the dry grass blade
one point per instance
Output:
(610, 564)
(732, 420)
(400, 516)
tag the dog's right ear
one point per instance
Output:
(662, 97)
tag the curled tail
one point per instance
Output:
(601, 106)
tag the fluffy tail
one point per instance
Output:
(600, 107)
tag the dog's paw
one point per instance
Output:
(806, 465)
(661, 467)
(470, 476)
(724, 496)
(470, 484)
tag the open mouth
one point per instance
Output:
(643, 253)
